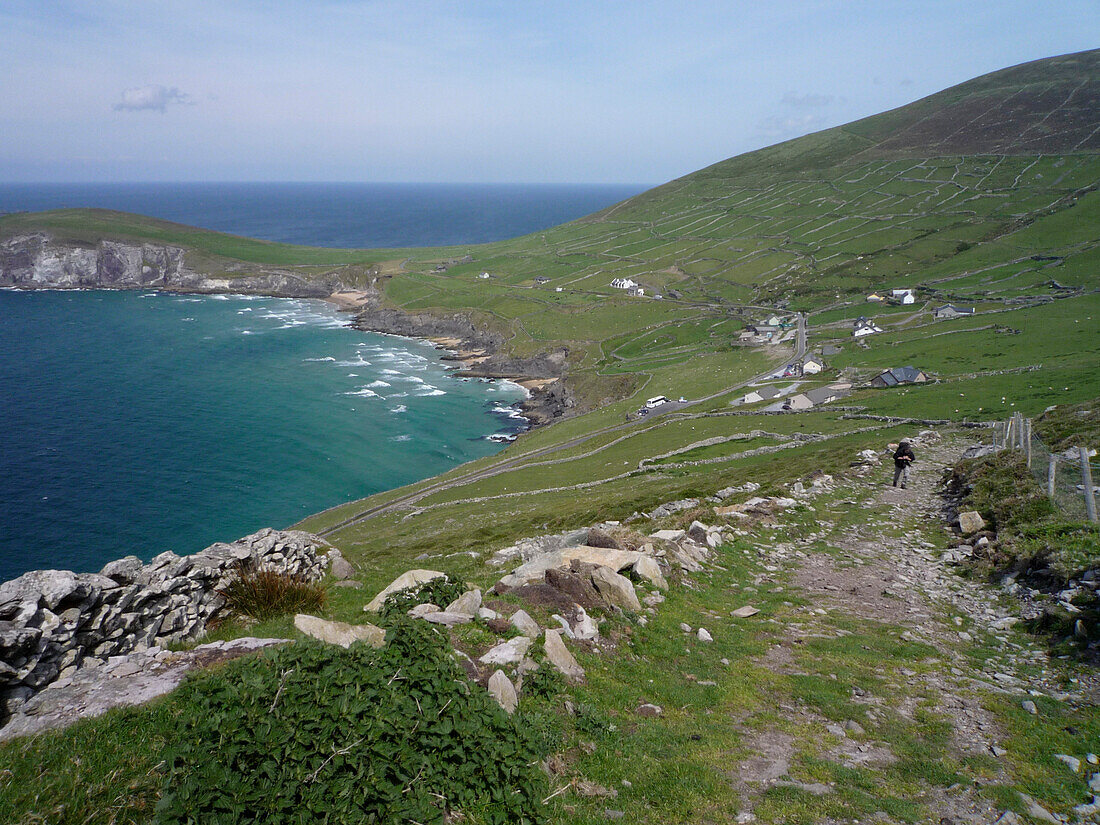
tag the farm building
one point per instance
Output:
(764, 393)
(815, 398)
(899, 375)
(906, 296)
(951, 311)
(864, 327)
(542, 279)
(624, 283)
(635, 292)
(875, 298)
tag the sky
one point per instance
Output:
(526, 91)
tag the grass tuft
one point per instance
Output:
(266, 594)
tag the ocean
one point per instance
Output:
(345, 215)
(138, 422)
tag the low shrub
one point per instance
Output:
(265, 594)
(440, 592)
(313, 733)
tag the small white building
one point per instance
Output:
(624, 283)
(812, 365)
(906, 296)
(484, 276)
(636, 292)
(864, 327)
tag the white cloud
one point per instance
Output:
(154, 97)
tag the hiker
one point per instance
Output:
(903, 457)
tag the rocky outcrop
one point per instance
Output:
(39, 261)
(122, 682)
(54, 622)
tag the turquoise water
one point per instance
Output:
(142, 422)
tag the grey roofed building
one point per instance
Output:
(829, 349)
(952, 311)
(823, 395)
(899, 375)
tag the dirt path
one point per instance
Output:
(884, 571)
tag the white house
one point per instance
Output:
(624, 283)
(812, 365)
(952, 311)
(485, 276)
(864, 327)
(906, 296)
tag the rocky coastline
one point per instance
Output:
(39, 261)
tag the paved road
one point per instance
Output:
(511, 463)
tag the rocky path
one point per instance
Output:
(881, 560)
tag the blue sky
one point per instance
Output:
(508, 91)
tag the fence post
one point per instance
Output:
(1086, 477)
(1008, 434)
(1052, 474)
(1027, 442)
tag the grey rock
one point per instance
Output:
(509, 652)
(648, 569)
(340, 568)
(1072, 762)
(521, 620)
(559, 656)
(616, 589)
(703, 635)
(502, 689)
(650, 710)
(423, 609)
(339, 633)
(1037, 811)
(467, 604)
(447, 618)
(1029, 706)
(410, 578)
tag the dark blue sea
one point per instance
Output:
(138, 422)
(347, 215)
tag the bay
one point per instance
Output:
(141, 422)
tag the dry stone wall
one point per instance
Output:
(53, 622)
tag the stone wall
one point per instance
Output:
(55, 621)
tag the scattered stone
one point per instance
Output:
(447, 618)
(534, 571)
(502, 689)
(338, 566)
(997, 751)
(407, 579)
(1092, 759)
(648, 569)
(423, 609)
(487, 614)
(1037, 811)
(744, 612)
(616, 589)
(653, 599)
(507, 653)
(668, 535)
(1072, 762)
(585, 628)
(559, 656)
(650, 710)
(339, 633)
(703, 635)
(521, 620)
(971, 522)
(684, 626)
(1029, 706)
(1008, 818)
(852, 726)
(598, 537)
(467, 604)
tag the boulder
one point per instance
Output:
(340, 567)
(668, 535)
(534, 571)
(447, 618)
(648, 569)
(467, 604)
(339, 633)
(521, 620)
(501, 689)
(615, 589)
(585, 628)
(575, 584)
(507, 653)
(598, 537)
(744, 612)
(123, 571)
(410, 578)
(698, 532)
(559, 656)
(423, 609)
(971, 522)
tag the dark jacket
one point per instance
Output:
(903, 450)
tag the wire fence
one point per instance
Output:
(1067, 476)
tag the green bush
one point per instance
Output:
(265, 594)
(1068, 547)
(440, 592)
(317, 734)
